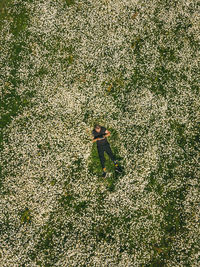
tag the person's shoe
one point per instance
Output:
(104, 172)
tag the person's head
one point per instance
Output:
(97, 128)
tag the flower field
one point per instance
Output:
(131, 66)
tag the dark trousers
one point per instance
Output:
(108, 150)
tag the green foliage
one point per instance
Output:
(114, 85)
(103, 231)
(11, 102)
(167, 53)
(111, 184)
(87, 115)
(46, 245)
(66, 200)
(53, 182)
(20, 21)
(69, 2)
(180, 129)
(70, 59)
(80, 206)
(25, 215)
(47, 238)
(136, 44)
(43, 148)
(94, 162)
(4, 11)
(77, 165)
(42, 72)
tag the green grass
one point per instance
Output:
(11, 103)
(25, 215)
(69, 2)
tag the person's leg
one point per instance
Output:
(101, 156)
(110, 153)
(102, 159)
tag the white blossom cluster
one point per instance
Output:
(131, 66)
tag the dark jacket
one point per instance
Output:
(100, 135)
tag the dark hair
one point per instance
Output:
(97, 126)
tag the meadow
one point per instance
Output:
(131, 66)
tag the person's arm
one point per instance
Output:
(107, 133)
(95, 139)
(103, 136)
